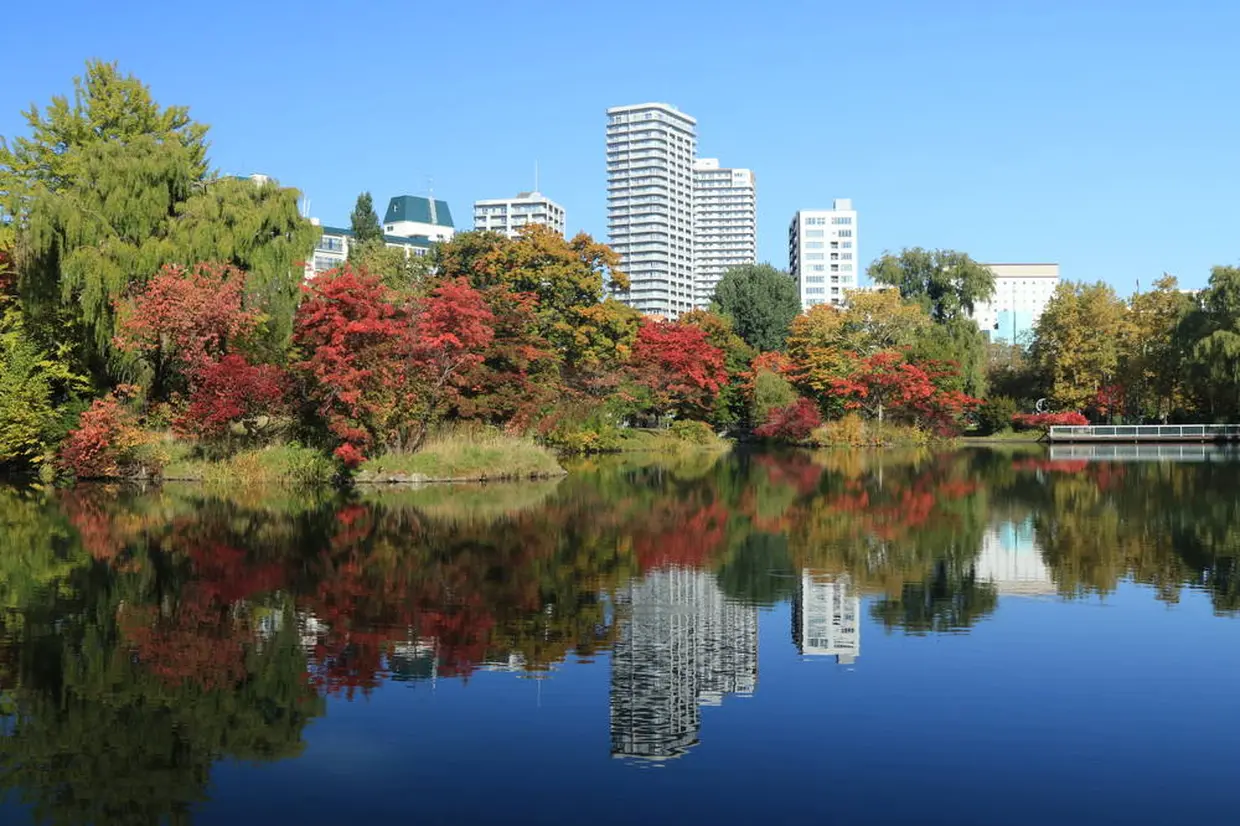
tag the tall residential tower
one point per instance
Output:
(650, 153)
(725, 224)
(822, 253)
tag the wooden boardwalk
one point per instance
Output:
(1137, 433)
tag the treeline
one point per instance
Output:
(144, 294)
(1164, 355)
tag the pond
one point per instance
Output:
(985, 636)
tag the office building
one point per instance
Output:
(822, 253)
(826, 618)
(681, 645)
(507, 215)
(1022, 292)
(410, 216)
(650, 153)
(725, 224)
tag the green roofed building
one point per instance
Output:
(412, 215)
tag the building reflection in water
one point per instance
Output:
(825, 617)
(1011, 559)
(683, 645)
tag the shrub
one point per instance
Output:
(106, 442)
(995, 415)
(848, 431)
(770, 391)
(581, 428)
(1034, 421)
(698, 433)
(791, 423)
(231, 392)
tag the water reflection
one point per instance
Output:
(147, 636)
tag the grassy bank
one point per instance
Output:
(273, 465)
(464, 456)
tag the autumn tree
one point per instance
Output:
(731, 403)
(761, 301)
(183, 320)
(948, 284)
(378, 372)
(678, 367)
(1152, 366)
(1078, 342)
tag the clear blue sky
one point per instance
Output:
(1102, 134)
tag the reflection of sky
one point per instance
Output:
(1050, 712)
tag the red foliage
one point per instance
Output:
(1032, 421)
(792, 423)
(184, 319)
(686, 536)
(102, 442)
(774, 361)
(887, 383)
(379, 372)
(232, 390)
(678, 364)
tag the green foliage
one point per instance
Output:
(956, 341)
(946, 283)
(1079, 343)
(995, 415)
(398, 269)
(109, 188)
(770, 391)
(364, 222)
(465, 453)
(761, 301)
(697, 433)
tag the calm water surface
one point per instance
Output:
(979, 637)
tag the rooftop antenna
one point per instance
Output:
(535, 174)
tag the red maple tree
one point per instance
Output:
(233, 391)
(678, 365)
(379, 371)
(792, 423)
(182, 320)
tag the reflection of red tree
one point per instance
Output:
(200, 637)
(689, 536)
(791, 469)
(1051, 465)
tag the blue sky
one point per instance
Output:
(1102, 134)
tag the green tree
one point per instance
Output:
(947, 283)
(1078, 343)
(111, 186)
(761, 301)
(364, 221)
(1153, 364)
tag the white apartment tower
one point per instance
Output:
(507, 215)
(725, 224)
(822, 253)
(650, 153)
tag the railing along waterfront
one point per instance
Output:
(1145, 433)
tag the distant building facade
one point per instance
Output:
(823, 253)
(1011, 560)
(1022, 292)
(508, 215)
(332, 248)
(650, 153)
(725, 224)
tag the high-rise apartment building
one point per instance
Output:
(507, 215)
(725, 224)
(1021, 294)
(650, 153)
(822, 253)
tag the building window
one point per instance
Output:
(846, 233)
(814, 256)
(813, 245)
(841, 220)
(813, 233)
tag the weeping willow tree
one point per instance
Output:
(110, 186)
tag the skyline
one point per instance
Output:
(1096, 139)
